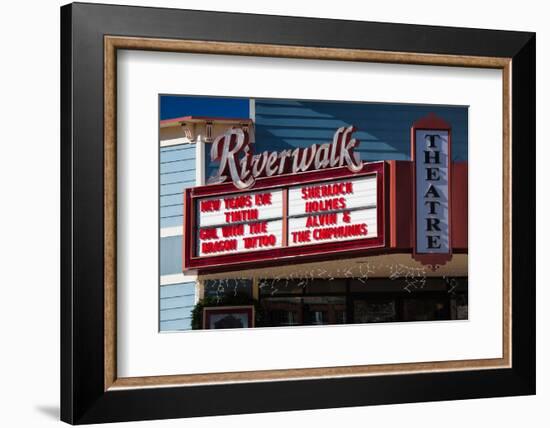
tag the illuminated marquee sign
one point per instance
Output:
(240, 223)
(288, 218)
(337, 211)
(432, 212)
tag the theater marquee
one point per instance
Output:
(285, 218)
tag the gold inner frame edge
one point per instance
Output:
(113, 43)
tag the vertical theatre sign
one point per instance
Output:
(289, 206)
(431, 154)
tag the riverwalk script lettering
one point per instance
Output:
(432, 191)
(233, 152)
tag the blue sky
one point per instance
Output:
(176, 106)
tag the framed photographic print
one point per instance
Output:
(259, 184)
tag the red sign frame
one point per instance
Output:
(287, 254)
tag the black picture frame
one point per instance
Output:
(83, 398)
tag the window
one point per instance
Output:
(222, 289)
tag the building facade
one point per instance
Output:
(383, 287)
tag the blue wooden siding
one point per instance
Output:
(176, 303)
(210, 168)
(170, 255)
(383, 129)
(177, 172)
